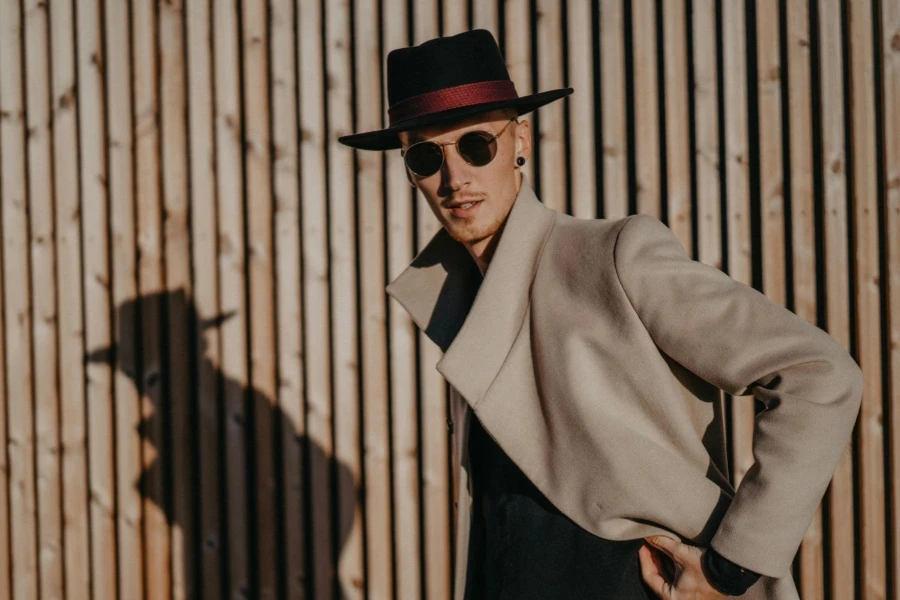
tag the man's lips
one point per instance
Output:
(458, 203)
(458, 210)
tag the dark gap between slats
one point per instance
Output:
(887, 407)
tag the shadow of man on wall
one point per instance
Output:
(234, 515)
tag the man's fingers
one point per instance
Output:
(664, 543)
(651, 573)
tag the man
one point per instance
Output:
(585, 358)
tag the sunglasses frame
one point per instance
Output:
(494, 136)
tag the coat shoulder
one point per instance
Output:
(579, 256)
(580, 243)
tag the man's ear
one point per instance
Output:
(523, 139)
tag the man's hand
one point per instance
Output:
(672, 570)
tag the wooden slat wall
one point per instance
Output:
(204, 390)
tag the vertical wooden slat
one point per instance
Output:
(433, 393)
(151, 285)
(43, 291)
(6, 541)
(890, 43)
(804, 239)
(551, 133)
(289, 332)
(771, 170)
(316, 298)
(706, 114)
(840, 497)
(455, 16)
(612, 91)
(371, 206)
(95, 211)
(261, 288)
(677, 89)
(120, 149)
(517, 51)
(204, 239)
(646, 107)
(582, 128)
(866, 286)
(179, 295)
(402, 334)
(342, 236)
(485, 16)
(17, 306)
(5, 525)
(232, 287)
(737, 193)
(76, 523)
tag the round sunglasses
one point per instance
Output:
(477, 148)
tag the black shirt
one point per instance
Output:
(522, 547)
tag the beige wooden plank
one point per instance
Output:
(205, 291)
(612, 92)
(404, 393)
(5, 401)
(517, 52)
(17, 306)
(95, 215)
(151, 285)
(866, 287)
(582, 128)
(433, 394)
(232, 287)
(173, 140)
(812, 584)
(484, 16)
(43, 292)
(120, 148)
(551, 133)
(285, 186)
(257, 165)
(706, 115)
(76, 524)
(371, 203)
(841, 567)
(771, 168)
(646, 103)
(455, 16)
(5, 539)
(737, 189)
(677, 137)
(316, 296)
(890, 43)
(343, 268)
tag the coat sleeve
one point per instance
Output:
(736, 338)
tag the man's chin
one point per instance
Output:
(467, 235)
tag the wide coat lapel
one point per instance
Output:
(475, 327)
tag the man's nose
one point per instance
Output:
(455, 170)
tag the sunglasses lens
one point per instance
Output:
(477, 148)
(424, 159)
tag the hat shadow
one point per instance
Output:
(327, 517)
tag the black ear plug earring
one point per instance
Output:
(520, 161)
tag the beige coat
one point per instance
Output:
(593, 354)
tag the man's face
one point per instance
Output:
(492, 187)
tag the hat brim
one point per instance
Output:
(387, 139)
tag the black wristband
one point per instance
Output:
(725, 576)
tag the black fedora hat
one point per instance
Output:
(444, 79)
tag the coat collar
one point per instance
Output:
(475, 327)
